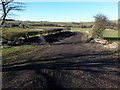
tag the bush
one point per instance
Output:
(99, 26)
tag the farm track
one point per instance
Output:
(69, 63)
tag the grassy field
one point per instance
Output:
(107, 33)
(83, 30)
(60, 23)
(43, 27)
(111, 33)
(12, 54)
(52, 24)
(20, 30)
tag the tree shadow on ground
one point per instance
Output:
(95, 63)
(89, 63)
(88, 56)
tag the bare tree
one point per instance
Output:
(9, 5)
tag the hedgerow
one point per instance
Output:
(13, 38)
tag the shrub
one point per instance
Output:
(99, 26)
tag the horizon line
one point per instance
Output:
(55, 21)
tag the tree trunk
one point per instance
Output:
(4, 14)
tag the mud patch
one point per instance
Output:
(49, 38)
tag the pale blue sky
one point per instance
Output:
(67, 11)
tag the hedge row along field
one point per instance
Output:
(14, 37)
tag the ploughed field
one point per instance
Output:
(68, 62)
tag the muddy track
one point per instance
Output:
(68, 63)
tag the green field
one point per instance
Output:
(111, 33)
(37, 28)
(12, 53)
(19, 30)
(83, 30)
(107, 33)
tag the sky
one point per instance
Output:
(67, 11)
(67, 0)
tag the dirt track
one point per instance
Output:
(69, 63)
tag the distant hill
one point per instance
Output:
(112, 25)
(9, 20)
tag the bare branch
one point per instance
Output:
(9, 5)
